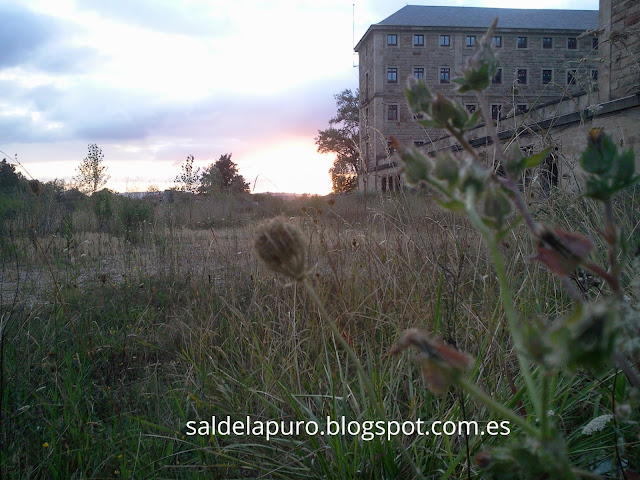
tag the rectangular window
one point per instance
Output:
(392, 40)
(522, 42)
(418, 40)
(418, 73)
(522, 76)
(571, 77)
(521, 108)
(392, 75)
(497, 42)
(594, 43)
(572, 43)
(392, 112)
(594, 74)
(497, 78)
(547, 42)
(471, 107)
(445, 75)
(445, 40)
(384, 184)
(547, 76)
(418, 143)
(496, 109)
(471, 40)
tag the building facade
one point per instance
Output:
(544, 55)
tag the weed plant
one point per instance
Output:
(600, 332)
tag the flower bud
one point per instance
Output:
(447, 169)
(281, 246)
(36, 187)
(497, 206)
(473, 175)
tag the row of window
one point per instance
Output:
(391, 183)
(522, 75)
(496, 111)
(470, 42)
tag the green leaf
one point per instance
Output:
(473, 120)
(500, 235)
(447, 169)
(626, 164)
(474, 79)
(536, 159)
(600, 153)
(453, 205)
(418, 97)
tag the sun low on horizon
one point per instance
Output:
(287, 165)
(291, 166)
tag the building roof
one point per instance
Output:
(477, 17)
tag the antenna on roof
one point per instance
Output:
(353, 34)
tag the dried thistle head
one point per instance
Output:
(562, 252)
(281, 246)
(36, 187)
(440, 363)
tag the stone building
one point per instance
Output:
(544, 55)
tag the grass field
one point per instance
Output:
(113, 339)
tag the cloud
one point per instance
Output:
(62, 58)
(93, 112)
(168, 16)
(23, 32)
(41, 43)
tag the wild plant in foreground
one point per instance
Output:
(591, 338)
(282, 248)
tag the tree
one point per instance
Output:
(92, 174)
(9, 179)
(223, 175)
(343, 138)
(189, 179)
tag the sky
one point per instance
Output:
(153, 81)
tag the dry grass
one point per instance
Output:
(186, 324)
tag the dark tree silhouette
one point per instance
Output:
(343, 138)
(222, 175)
(9, 179)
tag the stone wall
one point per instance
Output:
(620, 38)
(562, 124)
(377, 93)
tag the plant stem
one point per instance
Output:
(627, 368)
(356, 361)
(507, 299)
(497, 407)
(463, 141)
(611, 237)
(544, 419)
(508, 182)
